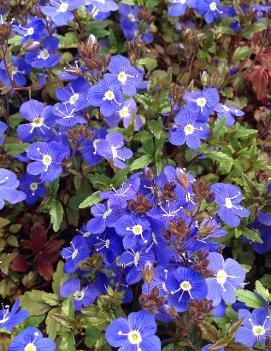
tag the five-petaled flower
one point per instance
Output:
(137, 333)
(75, 253)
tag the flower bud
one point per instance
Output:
(148, 272)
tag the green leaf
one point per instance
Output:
(56, 214)
(15, 148)
(156, 127)
(58, 278)
(249, 298)
(141, 162)
(241, 53)
(93, 199)
(262, 290)
(250, 234)
(38, 302)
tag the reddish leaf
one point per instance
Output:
(38, 238)
(45, 268)
(265, 57)
(259, 76)
(19, 264)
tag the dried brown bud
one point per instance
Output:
(168, 192)
(178, 229)
(176, 93)
(151, 302)
(148, 272)
(149, 174)
(182, 179)
(5, 30)
(201, 265)
(197, 310)
(201, 190)
(146, 16)
(141, 205)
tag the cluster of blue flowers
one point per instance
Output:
(155, 229)
(212, 10)
(191, 122)
(130, 231)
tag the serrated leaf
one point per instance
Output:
(56, 214)
(91, 200)
(141, 162)
(249, 298)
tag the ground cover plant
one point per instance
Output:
(135, 207)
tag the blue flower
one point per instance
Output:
(136, 333)
(97, 14)
(105, 216)
(11, 318)
(74, 254)
(18, 71)
(89, 147)
(46, 57)
(60, 12)
(133, 261)
(126, 115)
(33, 188)
(135, 230)
(41, 120)
(112, 148)
(67, 115)
(179, 7)
(228, 112)
(74, 94)
(106, 95)
(210, 9)
(228, 276)
(82, 297)
(187, 130)
(3, 128)
(31, 339)
(202, 102)
(121, 72)
(47, 159)
(109, 245)
(228, 197)
(184, 284)
(34, 30)
(8, 185)
(255, 327)
(104, 6)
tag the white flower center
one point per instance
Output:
(30, 31)
(136, 258)
(30, 347)
(107, 213)
(47, 160)
(109, 95)
(258, 330)
(33, 186)
(87, 234)
(213, 6)
(189, 129)
(74, 98)
(228, 202)
(185, 286)
(75, 253)
(44, 54)
(79, 295)
(37, 122)
(4, 320)
(122, 77)
(134, 337)
(131, 17)
(221, 277)
(201, 101)
(137, 229)
(63, 7)
(124, 112)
